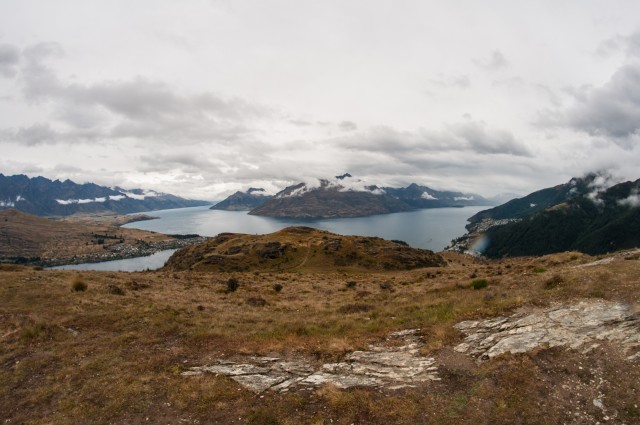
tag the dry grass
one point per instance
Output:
(26, 235)
(100, 357)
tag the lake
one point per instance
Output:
(427, 228)
(151, 262)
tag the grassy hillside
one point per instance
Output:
(29, 238)
(114, 353)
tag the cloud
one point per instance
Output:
(347, 126)
(138, 108)
(466, 136)
(633, 200)
(495, 62)
(612, 110)
(9, 59)
(33, 135)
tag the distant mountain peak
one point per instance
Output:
(344, 176)
(255, 189)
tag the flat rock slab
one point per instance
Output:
(389, 364)
(580, 325)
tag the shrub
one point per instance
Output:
(115, 290)
(351, 284)
(553, 281)
(479, 283)
(78, 284)
(277, 287)
(539, 270)
(232, 284)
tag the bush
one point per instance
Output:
(553, 281)
(78, 284)
(232, 284)
(115, 290)
(277, 287)
(351, 284)
(539, 270)
(479, 283)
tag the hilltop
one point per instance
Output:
(300, 248)
(44, 197)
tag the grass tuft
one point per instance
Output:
(479, 283)
(78, 284)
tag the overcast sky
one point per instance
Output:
(202, 98)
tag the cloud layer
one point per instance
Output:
(273, 93)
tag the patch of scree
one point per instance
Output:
(394, 363)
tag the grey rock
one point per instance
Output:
(574, 326)
(382, 365)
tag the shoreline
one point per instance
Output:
(115, 252)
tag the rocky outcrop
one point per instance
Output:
(580, 326)
(394, 363)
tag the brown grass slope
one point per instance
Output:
(300, 248)
(26, 235)
(114, 352)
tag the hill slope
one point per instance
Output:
(576, 216)
(425, 197)
(44, 197)
(27, 238)
(243, 201)
(300, 248)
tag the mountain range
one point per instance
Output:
(345, 196)
(44, 197)
(586, 214)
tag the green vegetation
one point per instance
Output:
(479, 283)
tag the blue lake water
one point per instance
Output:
(428, 228)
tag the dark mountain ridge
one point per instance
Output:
(243, 201)
(576, 216)
(44, 197)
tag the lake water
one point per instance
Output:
(151, 262)
(428, 228)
